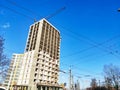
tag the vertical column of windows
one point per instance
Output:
(48, 29)
(55, 45)
(29, 38)
(32, 43)
(58, 45)
(54, 39)
(55, 54)
(50, 41)
(35, 35)
(32, 36)
(42, 47)
(44, 43)
(42, 37)
(51, 51)
(45, 40)
(46, 37)
(58, 48)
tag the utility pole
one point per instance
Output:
(73, 85)
(70, 79)
(99, 85)
(78, 85)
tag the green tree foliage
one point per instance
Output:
(4, 61)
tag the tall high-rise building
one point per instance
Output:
(40, 64)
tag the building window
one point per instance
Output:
(44, 55)
(35, 74)
(37, 59)
(36, 69)
(37, 64)
(34, 80)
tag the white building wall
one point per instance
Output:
(15, 68)
(26, 68)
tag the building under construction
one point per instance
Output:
(38, 67)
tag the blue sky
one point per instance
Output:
(83, 25)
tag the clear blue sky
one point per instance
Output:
(83, 24)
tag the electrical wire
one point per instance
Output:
(24, 8)
(52, 15)
(91, 42)
(32, 12)
(95, 46)
(73, 67)
(33, 19)
(100, 44)
(16, 12)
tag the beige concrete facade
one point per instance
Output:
(14, 71)
(40, 64)
(44, 39)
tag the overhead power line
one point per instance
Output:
(32, 12)
(49, 16)
(24, 8)
(94, 46)
(56, 12)
(16, 12)
(99, 45)
(91, 42)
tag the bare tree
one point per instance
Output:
(112, 75)
(108, 83)
(4, 61)
(93, 83)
